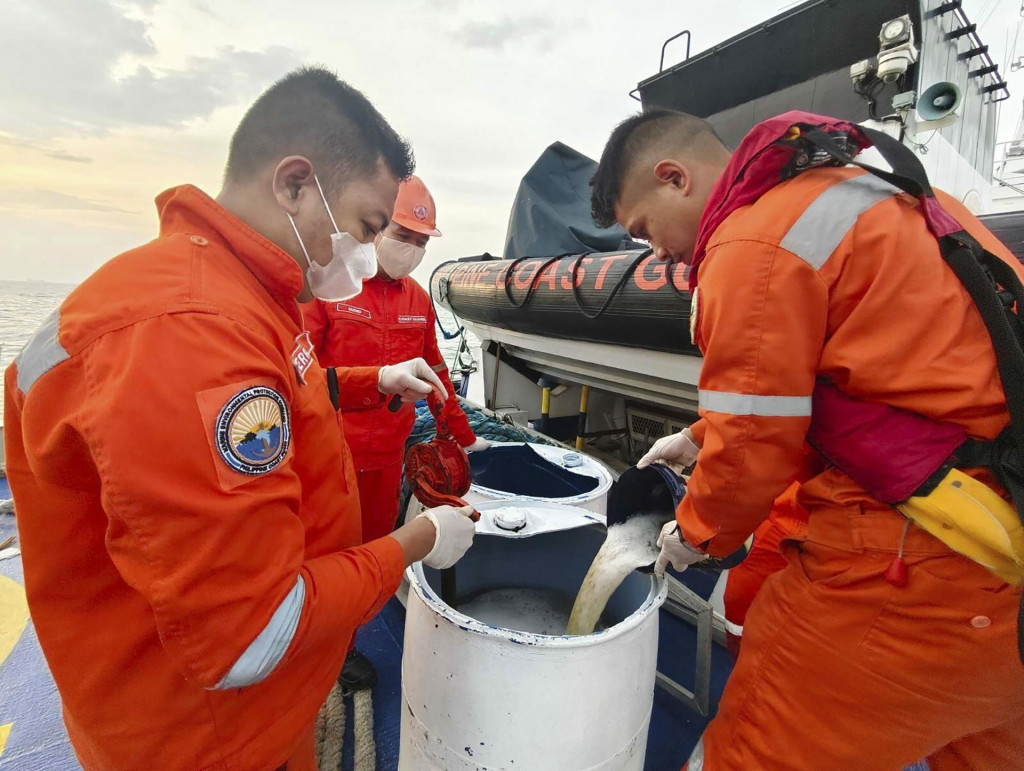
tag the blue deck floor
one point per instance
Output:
(29, 703)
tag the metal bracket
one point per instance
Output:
(947, 7)
(686, 604)
(983, 71)
(970, 29)
(971, 53)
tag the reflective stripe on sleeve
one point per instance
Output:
(830, 216)
(749, 404)
(696, 761)
(269, 647)
(41, 353)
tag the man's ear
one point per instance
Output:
(291, 176)
(672, 172)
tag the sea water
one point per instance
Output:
(628, 546)
(24, 305)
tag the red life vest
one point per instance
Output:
(890, 452)
(894, 454)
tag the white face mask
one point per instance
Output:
(351, 262)
(398, 258)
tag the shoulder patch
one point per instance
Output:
(253, 431)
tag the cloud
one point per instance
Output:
(59, 155)
(145, 5)
(495, 35)
(57, 68)
(6, 140)
(14, 199)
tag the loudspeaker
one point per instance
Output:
(939, 101)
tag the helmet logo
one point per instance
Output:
(419, 211)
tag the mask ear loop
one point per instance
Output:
(326, 206)
(302, 246)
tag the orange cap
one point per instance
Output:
(414, 207)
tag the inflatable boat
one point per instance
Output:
(620, 298)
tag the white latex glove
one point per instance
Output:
(675, 551)
(454, 536)
(412, 380)
(479, 444)
(677, 451)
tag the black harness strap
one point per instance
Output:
(980, 271)
(997, 293)
(332, 388)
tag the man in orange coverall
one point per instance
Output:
(390, 321)
(186, 503)
(818, 277)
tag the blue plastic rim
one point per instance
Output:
(652, 490)
(520, 470)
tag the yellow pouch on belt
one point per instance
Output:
(973, 520)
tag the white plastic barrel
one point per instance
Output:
(595, 500)
(476, 696)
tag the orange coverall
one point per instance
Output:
(832, 275)
(743, 582)
(162, 530)
(388, 322)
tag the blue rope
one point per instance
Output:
(483, 426)
(437, 317)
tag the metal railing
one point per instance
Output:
(635, 93)
(976, 50)
(1008, 167)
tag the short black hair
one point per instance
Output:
(630, 140)
(311, 112)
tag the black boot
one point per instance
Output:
(358, 673)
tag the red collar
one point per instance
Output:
(763, 159)
(187, 209)
(387, 282)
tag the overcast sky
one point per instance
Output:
(104, 103)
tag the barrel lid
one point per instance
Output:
(524, 518)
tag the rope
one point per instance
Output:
(331, 736)
(483, 425)
(534, 282)
(320, 733)
(437, 319)
(615, 289)
(365, 747)
(670, 274)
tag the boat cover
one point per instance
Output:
(551, 212)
